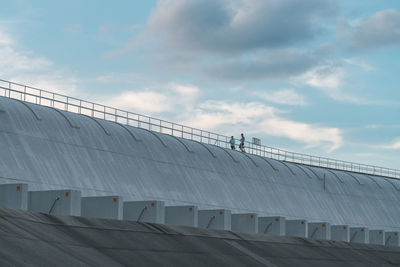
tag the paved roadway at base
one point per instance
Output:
(35, 239)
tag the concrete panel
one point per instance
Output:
(274, 226)
(55, 202)
(246, 222)
(14, 196)
(182, 215)
(319, 230)
(106, 207)
(144, 211)
(359, 235)
(297, 228)
(215, 219)
(392, 239)
(377, 237)
(340, 233)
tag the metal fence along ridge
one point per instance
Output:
(45, 98)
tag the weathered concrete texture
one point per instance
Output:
(39, 240)
(14, 196)
(107, 207)
(319, 230)
(377, 237)
(56, 202)
(245, 222)
(340, 233)
(66, 150)
(297, 228)
(392, 239)
(215, 219)
(274, 226)
(182, 215)
(359, 235)
(144, 211)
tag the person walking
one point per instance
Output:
(241, 146)
(232, 142)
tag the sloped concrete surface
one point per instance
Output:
(34, 239)
(51, 149)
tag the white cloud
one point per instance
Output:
(395, 145)
(260, 119)
(312, 135)
(140, 102)
(173, 99)
(23, 66)
(324, 77)
(182, 102)
(359, 63)
(4, 39)
(331, 80)
(286, 97)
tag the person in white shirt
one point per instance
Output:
(232, 142)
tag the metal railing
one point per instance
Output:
(79, 106)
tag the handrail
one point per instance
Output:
(71, 104)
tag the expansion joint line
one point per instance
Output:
(54, 203)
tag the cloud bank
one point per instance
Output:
(181, 102)
(228, 26)
(380, 30)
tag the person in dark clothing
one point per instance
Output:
(242, 139)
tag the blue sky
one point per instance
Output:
(315, 77)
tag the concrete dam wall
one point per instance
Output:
(53, 149)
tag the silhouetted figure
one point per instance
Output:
(241, 146)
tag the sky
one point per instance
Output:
(317, 77)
